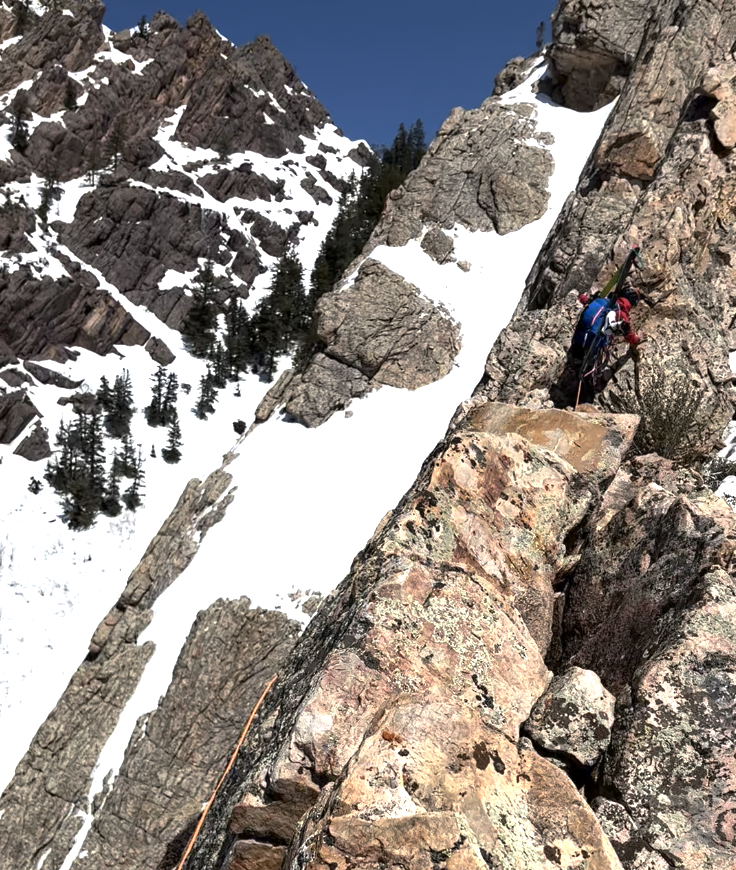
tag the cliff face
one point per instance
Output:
(532, 662)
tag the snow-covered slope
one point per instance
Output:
(307, 500)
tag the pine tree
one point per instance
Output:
(115, 140)
(19, 112)
(205, 404)
(125, 461)
(104, 395)
(236, 337)
(199, 327)
(155, 411)
(280, 319)
(118, 407)
(95, 163)
(171, 452)
(168, 408)
(220, 369)
(111, 505)
(51, 190)
(132, 498)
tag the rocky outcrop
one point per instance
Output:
(484, 172)
(180, 750)
(16, 412)
(378, 330)
(468, 174)
(648, 609)
(44, 806)
(444, 618)
(236, 104)
(676, 208)
(35, 446)
(593, 50)
(572, 721)
(133, 236)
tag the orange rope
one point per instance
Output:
(230, 763)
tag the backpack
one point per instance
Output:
(589, 331)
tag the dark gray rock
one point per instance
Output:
(438, 245)
(35, 446)
(15, 378)
(48, 376)
(38, 318)
(243, 183)
(159, 351)
(134, 235)
(318, 194)
(15, 222)
(226, 110)
(16, 412)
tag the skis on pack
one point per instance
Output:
(622, 273)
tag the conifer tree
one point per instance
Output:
(95, 163)
(199, 327)
(170, 395)
(111, 505)
(51, 190)
(205, 404)
(155, 411)
(19, 112)
(132, 498)
(125, 461)
(115, 140)
(280, 318)
(171, 452)
(236, 337)
(118, 405)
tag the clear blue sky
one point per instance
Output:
(374, 65)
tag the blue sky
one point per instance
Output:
(375, 65)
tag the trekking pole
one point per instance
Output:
(230, 763)
(577, 398)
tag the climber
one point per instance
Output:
(603, 318)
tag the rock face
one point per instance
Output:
(144, 215)
(182, 748)
(379, 330)
(657, 180)
(445, 618)
(43, 807)
(593, 50)
(484, 172)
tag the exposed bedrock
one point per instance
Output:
(679, 211)
(44, 806)
(593, 49)
(378, 330)
(650, 610)
(480, 172)
(179, 751)
(134, 235)
(40, 317)
(422, 666)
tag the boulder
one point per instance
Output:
(35, 446)
(572, 720)
(16, 412)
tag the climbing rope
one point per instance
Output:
(208, 805)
